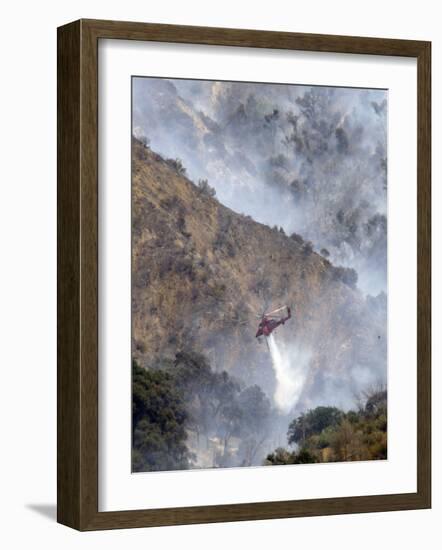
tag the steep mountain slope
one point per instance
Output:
(319, 152)
(201, 272)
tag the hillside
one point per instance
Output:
(202, 272)
(308, 150)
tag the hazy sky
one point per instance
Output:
(312, 160)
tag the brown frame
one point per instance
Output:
(77, 223)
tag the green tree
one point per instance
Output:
(208, 395)
(313, 422)
(158, 422)
(326, 434)
(218, 407)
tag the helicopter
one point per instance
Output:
(269, 321)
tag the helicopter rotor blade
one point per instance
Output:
(276, 310)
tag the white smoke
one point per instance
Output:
(312, 160)
(291, 369)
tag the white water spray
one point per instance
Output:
(291, 367)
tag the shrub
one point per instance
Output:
(297, 238)
(206, 189)
(282, 456)
(346, 275)
(313, 422)
(177, 165)
(307, 249)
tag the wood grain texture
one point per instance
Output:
(424, 274)
(77, 168)
(68, 276)
(253, 38)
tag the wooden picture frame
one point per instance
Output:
(78, 274)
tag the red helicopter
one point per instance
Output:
(270, 321)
